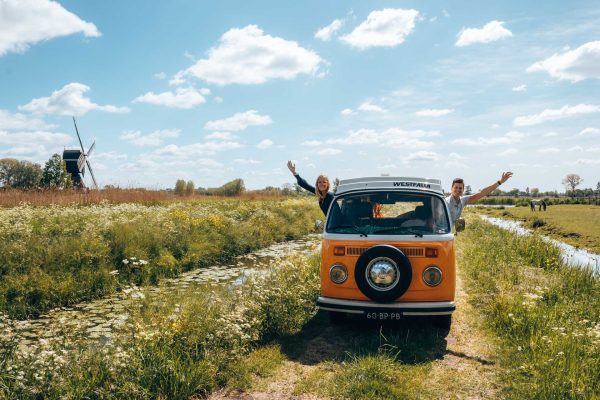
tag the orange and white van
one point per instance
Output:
(388, 251)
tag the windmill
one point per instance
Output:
(76, 160)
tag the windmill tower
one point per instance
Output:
(76, 161)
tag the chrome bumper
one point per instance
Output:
(405, 308)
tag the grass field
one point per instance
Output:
(574, 224)
(59, 255)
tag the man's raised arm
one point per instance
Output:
(487, 190)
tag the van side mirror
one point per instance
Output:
(459, 224)
(319, 225)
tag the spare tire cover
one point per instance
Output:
(393, 259)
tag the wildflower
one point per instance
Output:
(560, 353)
(115, 272)
(510, 315)
(125, 261)
(519, 348)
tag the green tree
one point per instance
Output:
(598, 187)
(535, 192)
(54, 174)
(19, 174)
(189, 188)
(468, 190)
(180, 187)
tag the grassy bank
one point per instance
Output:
(189, 344)
(547, 314)
(53, 256)
(569, 223)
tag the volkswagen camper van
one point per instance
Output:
(388, 251)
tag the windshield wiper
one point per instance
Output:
(419, 234)
(353, 227)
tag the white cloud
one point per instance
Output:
(26, 22)
(325, 33)
(590, 132)
(68, 100)
(244, 161)
(508, 152)
(248, 56)
(239, 122)
(155, 138)
(11, 121)
(221, 136)
(554, 114)
(384, 28)
(311, 143)
(550, 134)
(429, 112)
(393, 137)
(574, 65)
(265, 144)
(36, 137)
(576, 148)
(160, 75)
(491, 32)
(520, 88)
(420, 156)
(346, 112)
(509, 138)
(328, 152)
(182, 98)
(369, 106)
(455, 156)
(109, 156)
(196, 149)
(549, 150)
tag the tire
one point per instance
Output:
(337, 317)
(403, 267)
(443, 322)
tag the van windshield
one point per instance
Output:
(388, 213)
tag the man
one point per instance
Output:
(456, 201)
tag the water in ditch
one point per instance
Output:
(98, 319)
(571, 255)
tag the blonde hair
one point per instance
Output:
(319, 194)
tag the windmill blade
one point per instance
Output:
(91, 148)
(78, 137)
(91, 174)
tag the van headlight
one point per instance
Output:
(432, 276)
(338, 273)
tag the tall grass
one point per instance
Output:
(186, 345)
(548, 314)
(56, 255)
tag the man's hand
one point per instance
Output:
(505, 176)
(292, 167)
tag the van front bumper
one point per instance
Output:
(402, 308)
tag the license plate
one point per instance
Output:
(383, 316)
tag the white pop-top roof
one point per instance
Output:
(390, 182)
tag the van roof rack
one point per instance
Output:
(390, 182)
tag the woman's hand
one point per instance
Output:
(505, 176)
(292, 167)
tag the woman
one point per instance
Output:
(322, 190)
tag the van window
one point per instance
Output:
(388, 213)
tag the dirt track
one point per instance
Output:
(460, 363)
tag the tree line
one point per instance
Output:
(22, 174)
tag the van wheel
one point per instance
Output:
(443, 322)
(383, 273)
(337, 317)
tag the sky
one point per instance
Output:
(213, 91)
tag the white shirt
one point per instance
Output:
(456, 207)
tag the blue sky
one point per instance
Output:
(212, 92)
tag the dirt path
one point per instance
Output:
(459, 364)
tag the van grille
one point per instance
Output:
(408, 251)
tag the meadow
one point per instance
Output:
(543, 315)
(59, 255)
(572, 224)
(546, 314)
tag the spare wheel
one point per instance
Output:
(383, 273)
